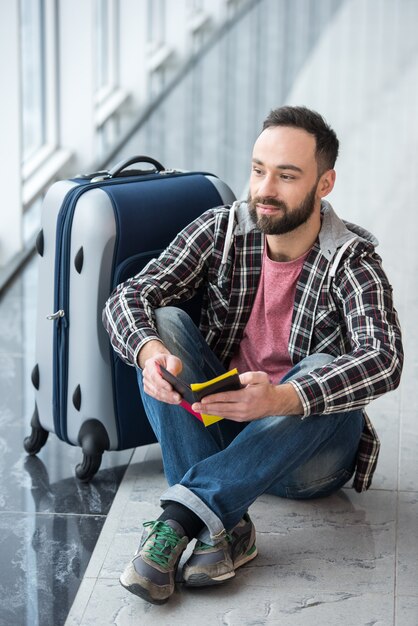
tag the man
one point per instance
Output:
(297, 300)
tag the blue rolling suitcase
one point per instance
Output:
(97, 231)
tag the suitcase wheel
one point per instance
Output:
(94, 440)
(37, 438)
(88, 467)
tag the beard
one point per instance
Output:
(289, 220)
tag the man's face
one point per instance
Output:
(284, 180)
(287, 219)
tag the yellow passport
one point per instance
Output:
(226, 382)
(196, 391)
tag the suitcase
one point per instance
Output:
(97, 231)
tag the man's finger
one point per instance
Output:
(254, 378)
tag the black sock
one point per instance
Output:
(190, 522)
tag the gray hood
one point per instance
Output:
(335, 233)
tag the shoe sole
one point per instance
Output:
(203, 580)
(142, 593)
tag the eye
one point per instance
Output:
(257, 171)
(287, 177)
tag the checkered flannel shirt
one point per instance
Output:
(350, 316)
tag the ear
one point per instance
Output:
(326, 183)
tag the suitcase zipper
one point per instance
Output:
(55, 316)
(59, 318)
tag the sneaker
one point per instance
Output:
(210, 565)
(151, 573)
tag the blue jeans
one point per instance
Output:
(219, 471)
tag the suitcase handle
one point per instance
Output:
(119, 167)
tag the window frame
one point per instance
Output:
(109, 98)
(44, 164)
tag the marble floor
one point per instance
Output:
(49, 521)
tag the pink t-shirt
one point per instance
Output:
(264, 346)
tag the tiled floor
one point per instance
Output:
(49, 522)
(347, 560)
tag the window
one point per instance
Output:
(107, 45)
(32, 26)
(160, 54)
(40, 154)
(199, 24)
(156, 23)
(38, 83)
(108, 96)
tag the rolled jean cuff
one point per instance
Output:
(214, 530)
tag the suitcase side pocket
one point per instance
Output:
(132, 424)
(132, 266)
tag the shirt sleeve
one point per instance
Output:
(175, 275)
(373, 363)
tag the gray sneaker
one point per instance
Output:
(152, 571)
(211, 565)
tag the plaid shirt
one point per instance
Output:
(343, 306)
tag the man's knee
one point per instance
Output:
(305, 486)
(183, 338)
(167, 316)
(306, 365)
(332, 464)
(172, 324)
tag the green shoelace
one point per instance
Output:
(164, 539)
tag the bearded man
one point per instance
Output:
(296, 299)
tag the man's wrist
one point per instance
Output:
(150, 349)
(287, 400)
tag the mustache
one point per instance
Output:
(279, 204)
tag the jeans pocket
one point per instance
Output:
(319, 488)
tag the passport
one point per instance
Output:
(196, 391)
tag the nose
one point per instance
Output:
(267, 187)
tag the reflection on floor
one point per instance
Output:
(49, 521)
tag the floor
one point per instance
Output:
(49, 522)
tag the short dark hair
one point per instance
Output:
(327, 143)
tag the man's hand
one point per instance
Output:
(153, 354)
(258, 399)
